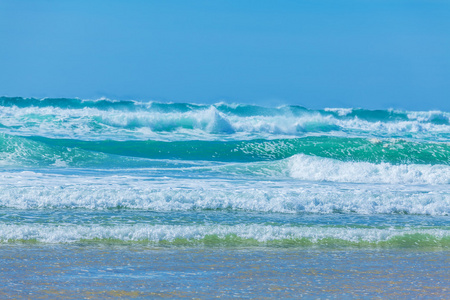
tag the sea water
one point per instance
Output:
(103, 198)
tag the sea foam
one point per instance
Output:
(223, 234)
(31, 190)
(125, 120)
(324, 169)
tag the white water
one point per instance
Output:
(207, 123)
(307, 167)
(30, 190)
(157, 233)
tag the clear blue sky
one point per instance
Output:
(316, 53)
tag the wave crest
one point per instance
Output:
(220, 235)
(125, 120)
(323, 169)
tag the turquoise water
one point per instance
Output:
(224, 177)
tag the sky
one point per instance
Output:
(372, 54)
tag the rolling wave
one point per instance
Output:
(322, 169)
(31, 190)
(224, 235)
(39, 151)
(132, 120)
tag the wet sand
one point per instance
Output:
(105, 271)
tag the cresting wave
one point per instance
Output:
(131, 120)
(436, 117)
(320, 169)
(223, 235)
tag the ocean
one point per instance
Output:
(107, 198)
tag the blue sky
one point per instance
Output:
(315, 53)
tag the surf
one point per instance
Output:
(135, 120)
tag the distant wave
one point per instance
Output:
(242, 110)
(125, 120)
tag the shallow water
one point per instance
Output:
(86, 271)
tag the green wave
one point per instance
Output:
(45, 151)
(340, 148)
(410, 241)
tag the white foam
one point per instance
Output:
(392, 128)
(340, 111)
(157, 233)
(427, 116)
(206, 123)
(325, 169)
(28, 190)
